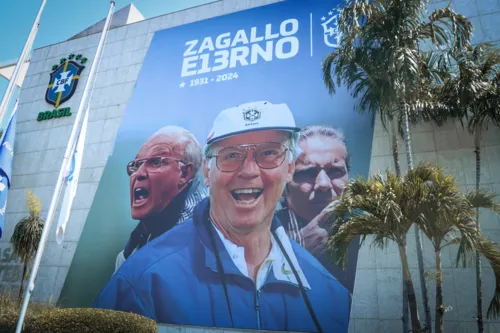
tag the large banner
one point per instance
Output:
(210, 211)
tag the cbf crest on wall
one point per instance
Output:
(64, 79)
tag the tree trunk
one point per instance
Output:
(406, 129)
(439, 294)
(406, 314)
(21, 290)
(395, 151)
(397, 167)
(479, 277)
(412, 299)
(418, 241)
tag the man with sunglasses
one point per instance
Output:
(321, 172)
(233, 265)
(164, 188)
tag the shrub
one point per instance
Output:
(51, 320)
(8, 322)
(90, 321)
(10, 304)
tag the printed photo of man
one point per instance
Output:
(233, 264)
(164, 188)
(321, 172)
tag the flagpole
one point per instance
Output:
(62, 172)
(4, 105)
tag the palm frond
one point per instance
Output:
(491, 252)
(483, 198)
(327, 71)
(445, 23)
(474, 89)
(467, 242)
(344, 232)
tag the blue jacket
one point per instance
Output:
(174, 279)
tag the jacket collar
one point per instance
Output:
(282, 272)
(202, 223)
(147, 230)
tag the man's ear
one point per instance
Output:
(206, 169)
(187, 174)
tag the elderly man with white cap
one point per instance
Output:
(232, 265)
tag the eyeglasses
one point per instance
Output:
(267, 155)
(310, 174)
(152, 164)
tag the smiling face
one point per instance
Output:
(320, 175)
(245, 199)
(153, 188)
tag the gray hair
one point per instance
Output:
(325, 131)
(291, 142)
(188, 142)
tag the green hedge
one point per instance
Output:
(8, 323)
(81, 321)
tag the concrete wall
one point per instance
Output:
(39, 149)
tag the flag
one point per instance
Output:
(6, 156)
(72, 181)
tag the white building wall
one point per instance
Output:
(39, 148)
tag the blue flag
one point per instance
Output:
(6, 155)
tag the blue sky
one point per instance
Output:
(62, 19)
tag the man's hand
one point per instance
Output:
(314, 234)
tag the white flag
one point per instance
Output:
(72, 181)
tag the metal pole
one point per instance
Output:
(22, 58)
(62, 173)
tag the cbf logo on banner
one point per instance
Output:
(210, 211)
(332, 35)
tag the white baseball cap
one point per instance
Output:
(249, 117)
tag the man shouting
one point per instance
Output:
(163, 186)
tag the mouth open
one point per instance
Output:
(140, 193)
(246, 195)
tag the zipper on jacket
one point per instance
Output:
(257, 308)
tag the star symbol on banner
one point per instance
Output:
(182, 85)
(330, 13)
(323, 18)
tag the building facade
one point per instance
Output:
(377, 299)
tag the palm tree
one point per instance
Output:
(386, 208)
(379, 59)
(473, 91)
(27, 235)
(377, 207)
(446, 216)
